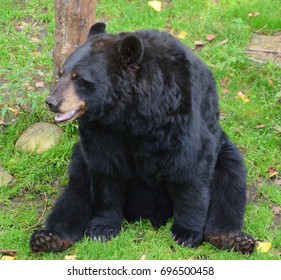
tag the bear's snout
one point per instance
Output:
(53, 103)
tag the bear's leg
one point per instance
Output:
(190, 205)
(228, 200)
(108, 207)
(71, 213)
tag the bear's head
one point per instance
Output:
(86, 85)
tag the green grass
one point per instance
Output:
(25, 61)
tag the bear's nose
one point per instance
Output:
(52, 103)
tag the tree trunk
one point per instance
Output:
(73, 21)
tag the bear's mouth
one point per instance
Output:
(70, 115)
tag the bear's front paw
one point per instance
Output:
(185, 237)
(46, 241)
(102, 232)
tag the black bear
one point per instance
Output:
(150, 145)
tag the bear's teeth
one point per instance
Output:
(65, 117)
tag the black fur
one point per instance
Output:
(150, 143)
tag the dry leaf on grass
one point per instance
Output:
(224, 81)
(181, 35)
(8, 252)
(199, 43)
(8, 258)
(210, 37)
(260, 126)
(39, 84)
(263, 247)
(272, 172)
(242, 96)
(142, 258)
(253, 14)
(70, 257)
(156, 5)
(15, 111)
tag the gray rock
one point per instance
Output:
(263, 48)
(5, 177)
(39, 137)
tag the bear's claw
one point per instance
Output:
(102, 233)
(45, 241)
(186, 237)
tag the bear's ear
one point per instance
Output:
(97, 28)
(131, 49)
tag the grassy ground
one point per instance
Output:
(26, 37)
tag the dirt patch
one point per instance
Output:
(253, 196)
(276, 209)
(263, 48)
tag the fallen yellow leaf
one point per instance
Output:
(70, 257)
(272, 172)
(15, 111)
(242, 96)
(8, 258)
(143, 257)
(182, 35)
(156, 5)
(263, 247)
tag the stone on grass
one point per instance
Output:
(263, 48)
(5, 177)
(39, 137)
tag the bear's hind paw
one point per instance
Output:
(239, 242)
(185, 237)
(46, 241)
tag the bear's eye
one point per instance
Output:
(74, 75)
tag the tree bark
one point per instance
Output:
(73, 21)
